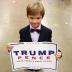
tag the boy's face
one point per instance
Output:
(35, 20)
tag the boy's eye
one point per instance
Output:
(35, 18)
(38, 18)
(31, 18)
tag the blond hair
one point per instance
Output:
(35, 8)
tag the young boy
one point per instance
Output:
(35, 31)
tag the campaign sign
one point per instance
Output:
(34, 55)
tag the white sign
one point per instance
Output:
(34, 55)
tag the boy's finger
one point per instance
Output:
(59, 54)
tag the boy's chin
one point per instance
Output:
(35, 27)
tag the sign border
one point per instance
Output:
(28, 67)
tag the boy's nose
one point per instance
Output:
(35, 21)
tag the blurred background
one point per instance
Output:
(58, 17)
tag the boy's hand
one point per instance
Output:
(9, 47)
(58, 55)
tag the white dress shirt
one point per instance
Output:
(34, 35)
